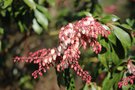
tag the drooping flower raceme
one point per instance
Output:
(72, 37)
(129, 79)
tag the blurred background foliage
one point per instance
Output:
(29, 25)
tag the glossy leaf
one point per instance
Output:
(36, 27)
(109, 18)
(122, 35)
(106, 27)
(41, 18)
(44, 11)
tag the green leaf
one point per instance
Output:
(98, 11)
(1, 30)
(115, 57)
(1, 3)
(126, 26)
(72, 82)
(107, 84)
(82, 13)
(122, 35)
(109, 18)
(86, 87)
(41, 18)
(111, 83)
(41, 2)
(21, 26)
(106, 27)
(105, 44)
(3, 13)
(28, 85)
(120, 68)
(102, 58)
(36, 27)
(24, 79)
(7, 3)
(112, 38)
(51, 2)
(44, 11)
(105, 57)
(130, 22)
(127, 87)
(30, 3)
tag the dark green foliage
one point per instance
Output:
(28, 25)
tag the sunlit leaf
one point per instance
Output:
(120, 68)
(106, 27)
(36, 27)
(109, 18)
(41, 18)
(30, 3)
(82, 13)
(122, 35)
(1, 3)
(86, 87)
(44, 11)
(7, 3)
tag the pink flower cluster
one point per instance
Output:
(71, 38)
(125, 81)
(131, 69)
